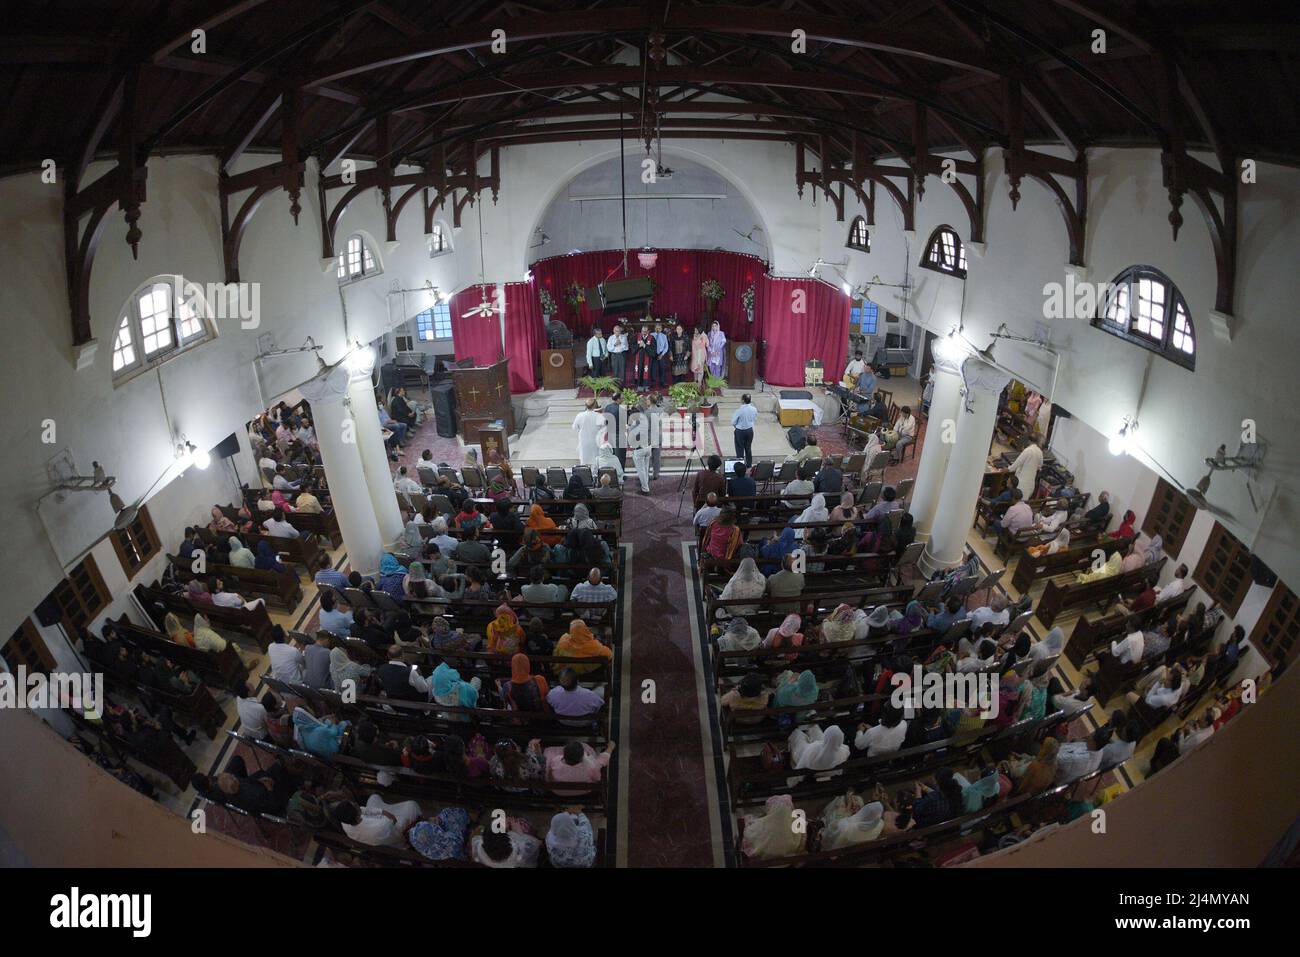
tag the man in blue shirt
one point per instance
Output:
(743, 422)
(659, 367)
(329, 575)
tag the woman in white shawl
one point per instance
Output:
(812, 749)
(747, 582)
(772, 834)
(240, 556)
(1058, 544)
(1052, 644)
(866, 825)
(606, 459)
(815, 512)
(1155, 550)
(343, 668)
(582, 518)
(739, 636)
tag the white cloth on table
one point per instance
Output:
(802, 404)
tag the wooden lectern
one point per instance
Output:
(557, 368)
(482, 396)
(740, 368)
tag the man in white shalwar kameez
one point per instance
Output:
(588, 424)
(1026, 467)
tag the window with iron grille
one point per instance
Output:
(26, 648)
(859, 236)
(1224, 569)
(1170, 516)
(1144, 307)
(137, 543)
(81, 596)
(1277, 632)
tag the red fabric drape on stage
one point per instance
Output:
(679, 273)
(475, 337)
(820, 332)
(525, 334)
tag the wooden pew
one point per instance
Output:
(1073, 559)
(256, 624)
(817, 602)
(1091, 634)
(223, 669)
(283, 588)
(174, 763)
(1058, 598)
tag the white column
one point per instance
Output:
(374, 457)
(955, 513)
(945, 407)
(349, 493)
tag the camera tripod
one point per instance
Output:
(694, 461)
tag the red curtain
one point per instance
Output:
(525, 334)
(802, 319)
(679, 274)
(475, 337)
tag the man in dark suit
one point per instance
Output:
(395, 676)
(616, 421)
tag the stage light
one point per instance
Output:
(1119, 443)
(361, 359)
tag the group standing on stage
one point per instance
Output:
(656, 358)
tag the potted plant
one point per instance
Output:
(713, 385)
(629, 397)
(600, 383)
(576, 297)
(712, 291)
(548, 304)
(684, 395)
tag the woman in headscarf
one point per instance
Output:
(581, 518)
(844, 542)
(504, 636)
(532, 551)
(468, 517)
(775, 549)
(905, 534)
(576, 489)
(845, 511)
(444, 638)
(570, 842)
(979, 794)
(321, 737)
(447, 689)
(699, 353)
(280, 502)
(839, 625)
(471, 459)
(772, 834)
(1134, 559)
(815, 512)
(739, 636)
(240, 556)
(795, 692)
(860, 828)
(343, 669)
(197, 592)
(1108, 570)
(205, 639)
(1155, 550)
(1125, 529)
(747, 582)
(415, 584)
(266, 559)
(177, 632)
(246, 523)
(786, 635)
(812, 749)
(717, 348)
(220, 523)
(579, 642)
(1033, 700)
(544, 525)
(1041, 772)
(913, 619)
(747, 697)
(582, 547)
(878, 620)
(722, 537)
(524, 691)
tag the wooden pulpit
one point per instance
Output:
(740, 368)
(557, 368)
(482, 396)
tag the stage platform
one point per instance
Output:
(548, 437)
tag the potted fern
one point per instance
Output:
(685, 396)
(600, 383)
(629, 397)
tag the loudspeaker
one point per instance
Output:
(1261, 574)
(798, 437)
(48, 612)
(227, 447)
(444, 408)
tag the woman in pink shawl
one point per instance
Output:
(279, 501)
(699, 353)
(717, 348)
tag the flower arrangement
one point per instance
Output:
(712, 290)
(747, 300)
(575, 296)
(548, 303)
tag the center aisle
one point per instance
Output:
(669, 804)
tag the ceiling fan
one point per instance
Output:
(1249, 457)
(749, 235)
(484, 309)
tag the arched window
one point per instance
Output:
(162, 317)
(357, 261)
(439, 240)
(945, 253)
(859, 237)
(1144, 306)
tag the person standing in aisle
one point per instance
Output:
(742, 421)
